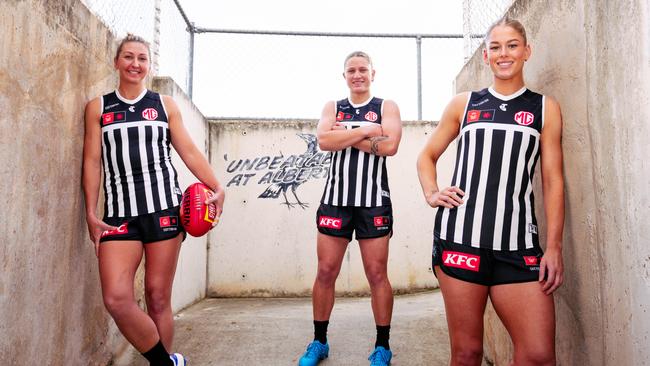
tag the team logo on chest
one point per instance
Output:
(110, 117)
(150, 114)
(475, 115)
(524, 118)
(371, 116)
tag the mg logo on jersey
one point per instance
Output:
(524, 118)
(121, 230)
(530, 260)
(461, 260)
(330, 222)
(371, 116)
(150, 114)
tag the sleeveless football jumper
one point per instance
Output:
(357, 178)
(497, 151)
(139, 177)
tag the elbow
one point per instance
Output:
(391, 150)
(324, 145)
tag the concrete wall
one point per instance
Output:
(55, 56)
(267, 246)
(593, 57)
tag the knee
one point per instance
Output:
(327, 274)
(377, 276)
(117, 304)
(158, 300)
(467, 355)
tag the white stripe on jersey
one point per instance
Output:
(116, 126)
(527, 195)
(346, 177)
(371, 167)
(357, 189)
(496, 126)
(128, 171)
(519, 173)
(145, 168)
(116, 170)
(462, 209)
(501, 195)
(380, 172)
(328, 184)
(107, 185)
(159, 175)
(480, 194)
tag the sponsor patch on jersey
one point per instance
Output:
(381, 221)
(480, 115)
(339, 116)
(150, 114)
(461, 260)
(524, 118)
(121, 230)
(168, 221)
(371, 116)
(108, 118)
(330, 222)
(531, 260)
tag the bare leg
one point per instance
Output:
(160, 267)
(529, 316)
(330, 251)
(374, 253)
(118, 262)
(464, 305)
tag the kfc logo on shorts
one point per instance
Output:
(371, 116)
(381, 220)
(330, 222)
(121, 230)
(461, 260)
(531, 260)
(524, 118)
(150, 114)
(168, 221)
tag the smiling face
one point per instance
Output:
(505, 52)
(358, 74)
(132, 62)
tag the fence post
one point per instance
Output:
(418, 42)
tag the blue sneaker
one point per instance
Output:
(178, 359)
(315, 353)
(380, 357)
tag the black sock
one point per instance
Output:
(320, 330)
(158, 356)
(383, 333)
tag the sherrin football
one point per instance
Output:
(197, 217)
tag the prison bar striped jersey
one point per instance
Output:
(357, 178)
(497, 151)
(139, 177)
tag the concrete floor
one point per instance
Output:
(276, 331)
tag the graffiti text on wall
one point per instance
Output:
(281, 173)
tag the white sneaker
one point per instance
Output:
(178, 359)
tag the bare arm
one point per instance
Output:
(193, 158)
(442, 136)
(391, 125)
(330, 139)
(91, 174)
(551, 266)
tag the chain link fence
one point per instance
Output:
(478, 15)
(262, 75)
(160, 23)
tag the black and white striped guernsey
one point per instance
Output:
(138, 174)
(497, 151)
(357, 178)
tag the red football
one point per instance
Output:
(197, 217)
